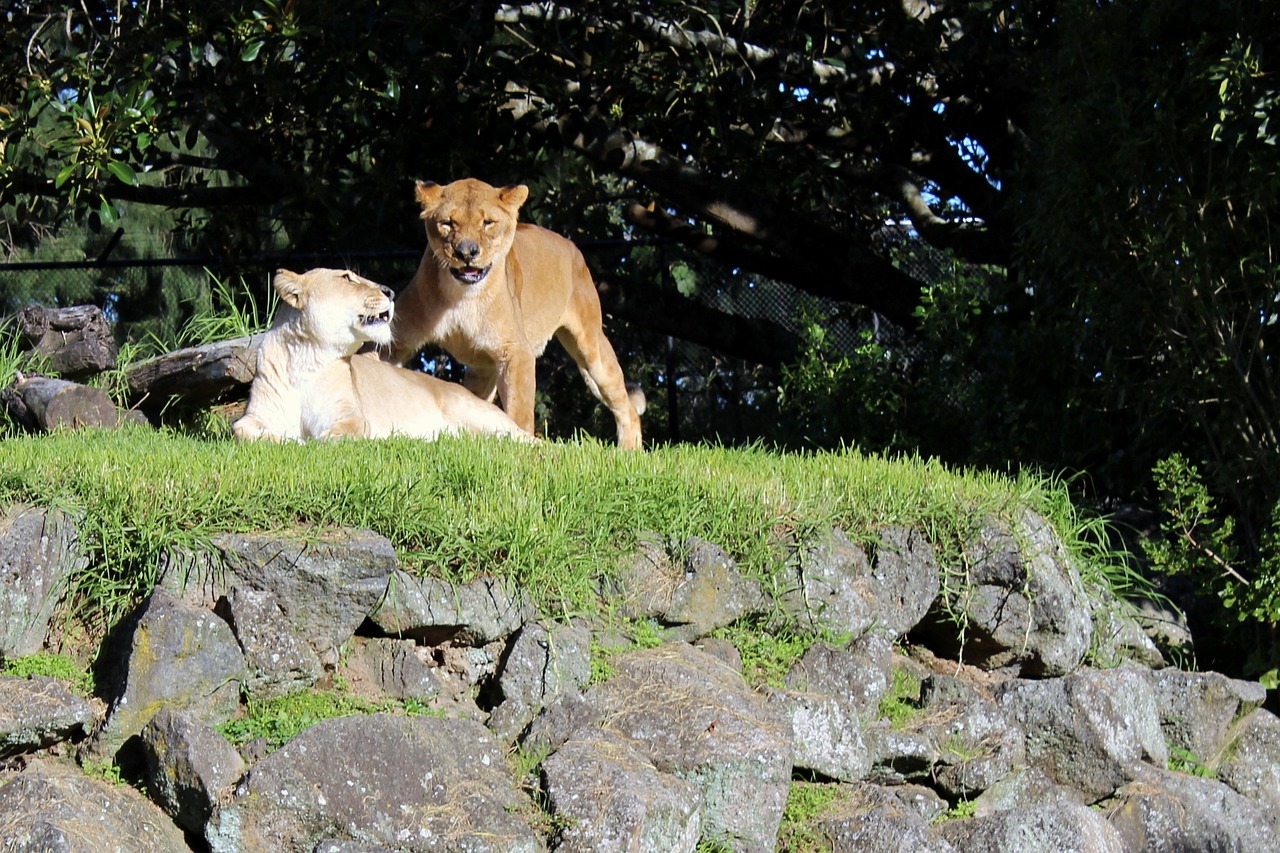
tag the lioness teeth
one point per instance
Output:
(384, 317)
(469, 275)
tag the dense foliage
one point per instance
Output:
(1099, 173)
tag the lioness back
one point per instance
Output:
(396, 401)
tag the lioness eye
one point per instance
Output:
(489, 223)
(446, 226)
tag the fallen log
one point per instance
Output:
(42, 403)
(77, 339)
(198, 375)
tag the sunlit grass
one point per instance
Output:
(550, 517)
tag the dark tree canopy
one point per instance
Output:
(774, 140)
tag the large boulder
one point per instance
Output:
(1023, 606)
(325, 582)
(189, 767)
(542, 661)
(645, 809)
(1060, 826)
(39, 556)
(37, 712)
(435, 611)
(54, 808)
(1188, 813)
(1092, 731)
(179, 656)
(406, 783)
(1252, 763)
(694, 717)
(692, 587)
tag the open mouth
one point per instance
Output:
(375, 319)
(469, 275)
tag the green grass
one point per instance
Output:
(902, 703)
(62, 667)
(549, 517)
(280, 719)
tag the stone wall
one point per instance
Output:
(1002, 707)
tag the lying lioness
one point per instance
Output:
(309, 383)
(493, 292)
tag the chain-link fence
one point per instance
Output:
(694, 393)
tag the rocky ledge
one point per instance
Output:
(995, 707)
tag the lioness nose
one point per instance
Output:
(387, 292)
(468, 249)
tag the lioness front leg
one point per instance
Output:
(517, 380)
(352, 426)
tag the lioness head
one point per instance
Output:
(337, 308)
(470, 225)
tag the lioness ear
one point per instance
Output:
(513, 196)
(427, 193)
(289, 286)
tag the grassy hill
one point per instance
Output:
(552, 517)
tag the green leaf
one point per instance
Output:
(64, 176)
(107, 211)
(124, 172)
(251, 51)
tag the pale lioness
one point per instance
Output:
(492, 292)
(310, 384)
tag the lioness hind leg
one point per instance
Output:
(602, 374)
(481, 381)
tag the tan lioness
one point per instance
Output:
(310, 384)
(493, 292)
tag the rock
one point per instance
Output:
(694, 588)
(1091, 731)
(644, 809)
(180, 656)
(39, 555)
(1118, 634)
(397, 667)
(695, 718)
(976, 745)
(276, 661)
(76, 339)
(899, 756)
(870, 818)
(1198, 709)
(1062, 827)
(1188, 813)
(1024, 788)
(826, 737)
(189, 767)
(325, 582)
(1023, 606)
(434, 611)
(905, 580)
(543, 660)
(54, 808)
(409, 783)
(829, 587)
(859, 675)
(1252, 765)
(36, 712)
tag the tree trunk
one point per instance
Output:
(41, 403)
(77, 339)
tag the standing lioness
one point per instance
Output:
(493, 292)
